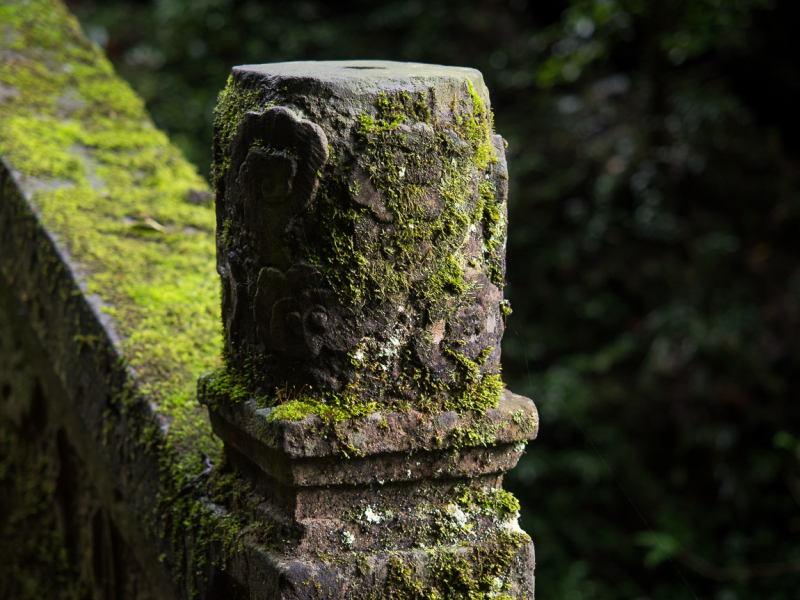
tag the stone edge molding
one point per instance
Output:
(514, 420)
(285, 449)
(58, 316)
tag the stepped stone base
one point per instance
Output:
(418, 506)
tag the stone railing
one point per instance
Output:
(360, 239)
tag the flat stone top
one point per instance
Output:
(367, 75)
(359, 70)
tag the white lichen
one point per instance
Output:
(370, 516)
(496, 585)
(456, 514)
(512, 524)
(390, 348)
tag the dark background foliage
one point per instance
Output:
(654, 266)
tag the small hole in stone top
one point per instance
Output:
(365, 67)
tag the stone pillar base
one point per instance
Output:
(390, 505)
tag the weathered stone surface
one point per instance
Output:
(62, 536)
(489, 570)
(361, 211)
(147, 505)
(378, 448)
(107, 261)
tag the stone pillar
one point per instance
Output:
(361, 219)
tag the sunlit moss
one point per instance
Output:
(116, 195)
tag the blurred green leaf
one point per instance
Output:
(660, 546)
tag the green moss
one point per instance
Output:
(478, 574)
(480, 433)
(291, 404)
(414, 261)
(232, 104)
(377, 270)
(335, 407)
(480, 391)
(225, 382)
(329, 406)
(403, 583)
(196, 522)
(116, 195)
(434, 517)
(225, 234)
(529, 422)
(497, 502)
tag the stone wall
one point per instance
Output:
(106, 259)
(59, 539)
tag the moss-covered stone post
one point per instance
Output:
(361, 230)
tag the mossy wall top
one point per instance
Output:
(120, 201)
(361, 211)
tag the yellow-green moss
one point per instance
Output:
(232, 104)
(333, 408)
(377, 270)
(115, 193)
(480, 574)
(497, 502)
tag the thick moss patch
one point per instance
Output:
(123, 201)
